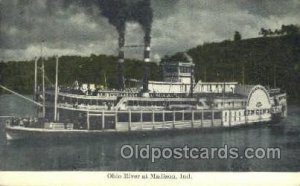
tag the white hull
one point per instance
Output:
(24, 133)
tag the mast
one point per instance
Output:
(120, 66)
(274, 76)
(204, 73)
(56, 89)
(43, 82)
(105, 81)
(243, 73)
(35, 79)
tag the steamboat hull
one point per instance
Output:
(29, 134)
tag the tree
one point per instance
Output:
(237, 36)
(290, 29)
(263, 32)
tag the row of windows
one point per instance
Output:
(160, 103)
(242, 103)
(185, 69)
(81, 101)
(170, 69)
(159, 117)
(210, 87)
(237, 115)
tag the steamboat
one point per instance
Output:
(176, 103)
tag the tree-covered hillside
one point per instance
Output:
(271, 61)
(98, 69)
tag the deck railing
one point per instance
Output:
(151, 120)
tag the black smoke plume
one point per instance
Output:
(118, 12)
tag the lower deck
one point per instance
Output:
(146, 120)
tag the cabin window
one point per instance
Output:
(217, 115)
(207, 115)
(170, 69)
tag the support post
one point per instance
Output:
(246, 116)
(163, 118)
(193, 117)
(57, 115)
(129, 120)
(141, 118)
(202, 116)
(182, 115)
(229, 118)
(116, 118)
(222, 118)
(153, 119)
(88, 120)
(212, 118)
(103, 120)
(174, 118)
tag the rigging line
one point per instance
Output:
(21, 96)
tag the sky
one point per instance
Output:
(30, 28)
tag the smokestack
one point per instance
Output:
(118, 12)
(147, 50)
(121, 84)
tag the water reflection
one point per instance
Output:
(103, 154)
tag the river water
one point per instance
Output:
(104, 154)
